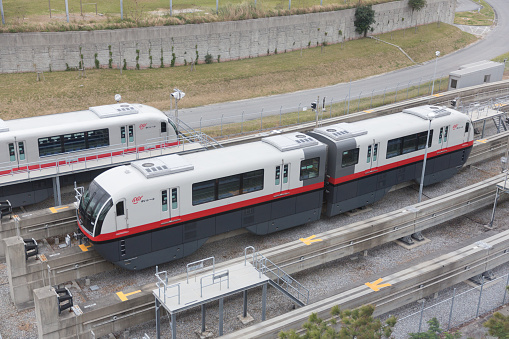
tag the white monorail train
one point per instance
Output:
(173, 204)
(31, 146)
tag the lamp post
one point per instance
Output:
(437, 53)
(177, 94)
(430, 117)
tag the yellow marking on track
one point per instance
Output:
(482, 141)
(123, 296)
(368, 111)
(310, 240)
(437, 95)
(56, 209)
(500, 105)
(85, 248)
(375, 286)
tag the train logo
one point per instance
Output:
(142, 126)
(137, 199)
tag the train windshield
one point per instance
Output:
(91, 206)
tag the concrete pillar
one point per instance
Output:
(46, 312)
(16, 267)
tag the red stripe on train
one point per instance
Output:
(86, 158)
(201, 214)
(401, 163)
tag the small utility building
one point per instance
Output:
(476, 73)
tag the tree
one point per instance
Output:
(416, 6)
(358, 323)
(364, 18)
(434, 332)
(498, 325)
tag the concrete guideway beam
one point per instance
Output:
(404, 287)
(49, 222)
(110, 315)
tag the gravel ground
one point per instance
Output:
(323, 281)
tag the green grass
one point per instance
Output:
(483, 18)
(337, 109)
(29, 15)
(501, 58)
(22, 96)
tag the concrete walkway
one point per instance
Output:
(466, 5)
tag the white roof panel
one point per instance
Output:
(164, 165)
(340, 131)
(107, 111)
(3, 126)
(288, 142)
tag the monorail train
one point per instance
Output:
(60, 142)
(157, 210)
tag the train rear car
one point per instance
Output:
(74, 142)
(164, 208)
(367, 158)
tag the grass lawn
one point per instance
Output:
(22, 96)
(29, 15)
(483, 18)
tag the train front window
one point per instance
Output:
(91, 204)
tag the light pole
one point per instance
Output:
(430, 117)
(177, 94)
(437, 53)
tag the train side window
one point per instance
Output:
(164, 200)
(285, 174)
(74, 142)
(309, 168)
(174, 202)
(98, 138)
(204, 191)
(350, 157)
(120, 208)
(445, 134)
(122, 134)
(278, 175)
(228, 186)
(440, 135)
(375, 152)
(394, 147)
(369, 154)
(12, 154)
(131, 133)
(21, 150)
(421, 137)
(163, 127)
(252, 181)
(467, 127)
(409, 143)
(50, 145)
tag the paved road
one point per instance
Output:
(493, 44)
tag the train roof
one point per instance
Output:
(96, 113)
(410, 120)
(210, 164)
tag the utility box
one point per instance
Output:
(477, 73)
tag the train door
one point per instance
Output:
(467, 130)
(282, 177)
(443, 137)
(127, 138)
(164, 130)
(17, 154)
(170, 207)
(372, 156)
(121, 215)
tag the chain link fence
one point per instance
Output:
(461, 305)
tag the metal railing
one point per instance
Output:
(163, 284)
(81, 160)
(214, 277)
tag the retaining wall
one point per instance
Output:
(153, 46)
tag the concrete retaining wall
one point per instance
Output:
(153, 46)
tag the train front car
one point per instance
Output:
(368, 157)
(165, 208)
